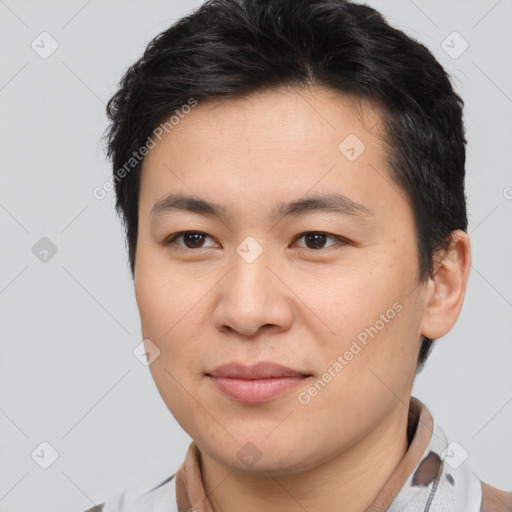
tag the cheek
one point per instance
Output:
(172, 316)
(163, 295)
(152, 302)
(375, 316)
(349, 299)
(164, 320)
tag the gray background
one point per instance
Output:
(68, 326)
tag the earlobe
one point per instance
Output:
(447, 286)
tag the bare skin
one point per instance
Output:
(300, 303)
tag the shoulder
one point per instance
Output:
(159, 497)
(494, 500)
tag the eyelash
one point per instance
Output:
(171, 240)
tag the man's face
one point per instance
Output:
(330, 295)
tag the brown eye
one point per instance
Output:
(316, 239)
(191, 239)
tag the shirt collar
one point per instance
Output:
(431, 475)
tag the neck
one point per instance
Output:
(348, 481)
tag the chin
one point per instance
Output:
(260, 454)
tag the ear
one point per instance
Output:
(447, 286)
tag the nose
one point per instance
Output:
(253, 298)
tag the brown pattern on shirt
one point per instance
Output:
(97, 508)
(494, 500)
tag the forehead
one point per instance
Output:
(285, 143)
(289, 120)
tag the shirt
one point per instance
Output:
(431, 477)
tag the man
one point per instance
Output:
(291, 179)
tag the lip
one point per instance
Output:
(255, 384)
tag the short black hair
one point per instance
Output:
(232, 48)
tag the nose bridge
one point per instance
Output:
(250, 249)
(251, 275)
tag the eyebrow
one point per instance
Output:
(335, 203)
